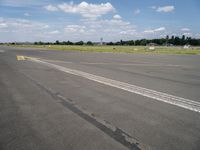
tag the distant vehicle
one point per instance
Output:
(186, 46)
(152, 48)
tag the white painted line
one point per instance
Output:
(163, 97)
(2, 51)
(118, 64)
(58, 61)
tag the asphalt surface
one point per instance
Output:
(42, 107)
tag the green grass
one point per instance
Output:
(120, 49)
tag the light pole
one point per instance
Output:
(101, 41)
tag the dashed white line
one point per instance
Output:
(160, 96)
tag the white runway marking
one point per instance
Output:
(163, 97)
(118, 64)
(2, 51)
(58, 61)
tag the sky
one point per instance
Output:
(91, 20)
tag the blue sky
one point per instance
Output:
(50, 20)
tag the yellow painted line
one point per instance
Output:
(24, 57)
(20, 57)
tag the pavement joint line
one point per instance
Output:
(132, 64)
(159, 96)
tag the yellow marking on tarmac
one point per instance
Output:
(24, 57)
(20, 57)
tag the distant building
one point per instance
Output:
(99, 43)
(152, 44)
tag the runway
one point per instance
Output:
(79, 100)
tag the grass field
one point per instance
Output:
(121, 49)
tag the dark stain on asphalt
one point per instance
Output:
(112, 131)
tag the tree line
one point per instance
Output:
(168, 41)
(63, 43)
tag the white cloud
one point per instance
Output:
(54, 32)
(109, 28)
(188, 34)
(22, 3)
(21, 29)
(151, 31)
(75, 28)
(114, 22)
(160, 29)
(51, 8)
(107, 25)
(22, 24)
(137, 11)
(45, 26)
(27, 14)
(117, 17)
(185, 29)
(148, 31)
(153, 7)
(128, 32)
(197, 35)
(3, 25)
(84, 9)
(165, 9)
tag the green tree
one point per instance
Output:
(130, 42)
(171, 41)
(143, 42)
(57, 42)
(89, 43)
(183, 41)
(177, 40)
(79, 43)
